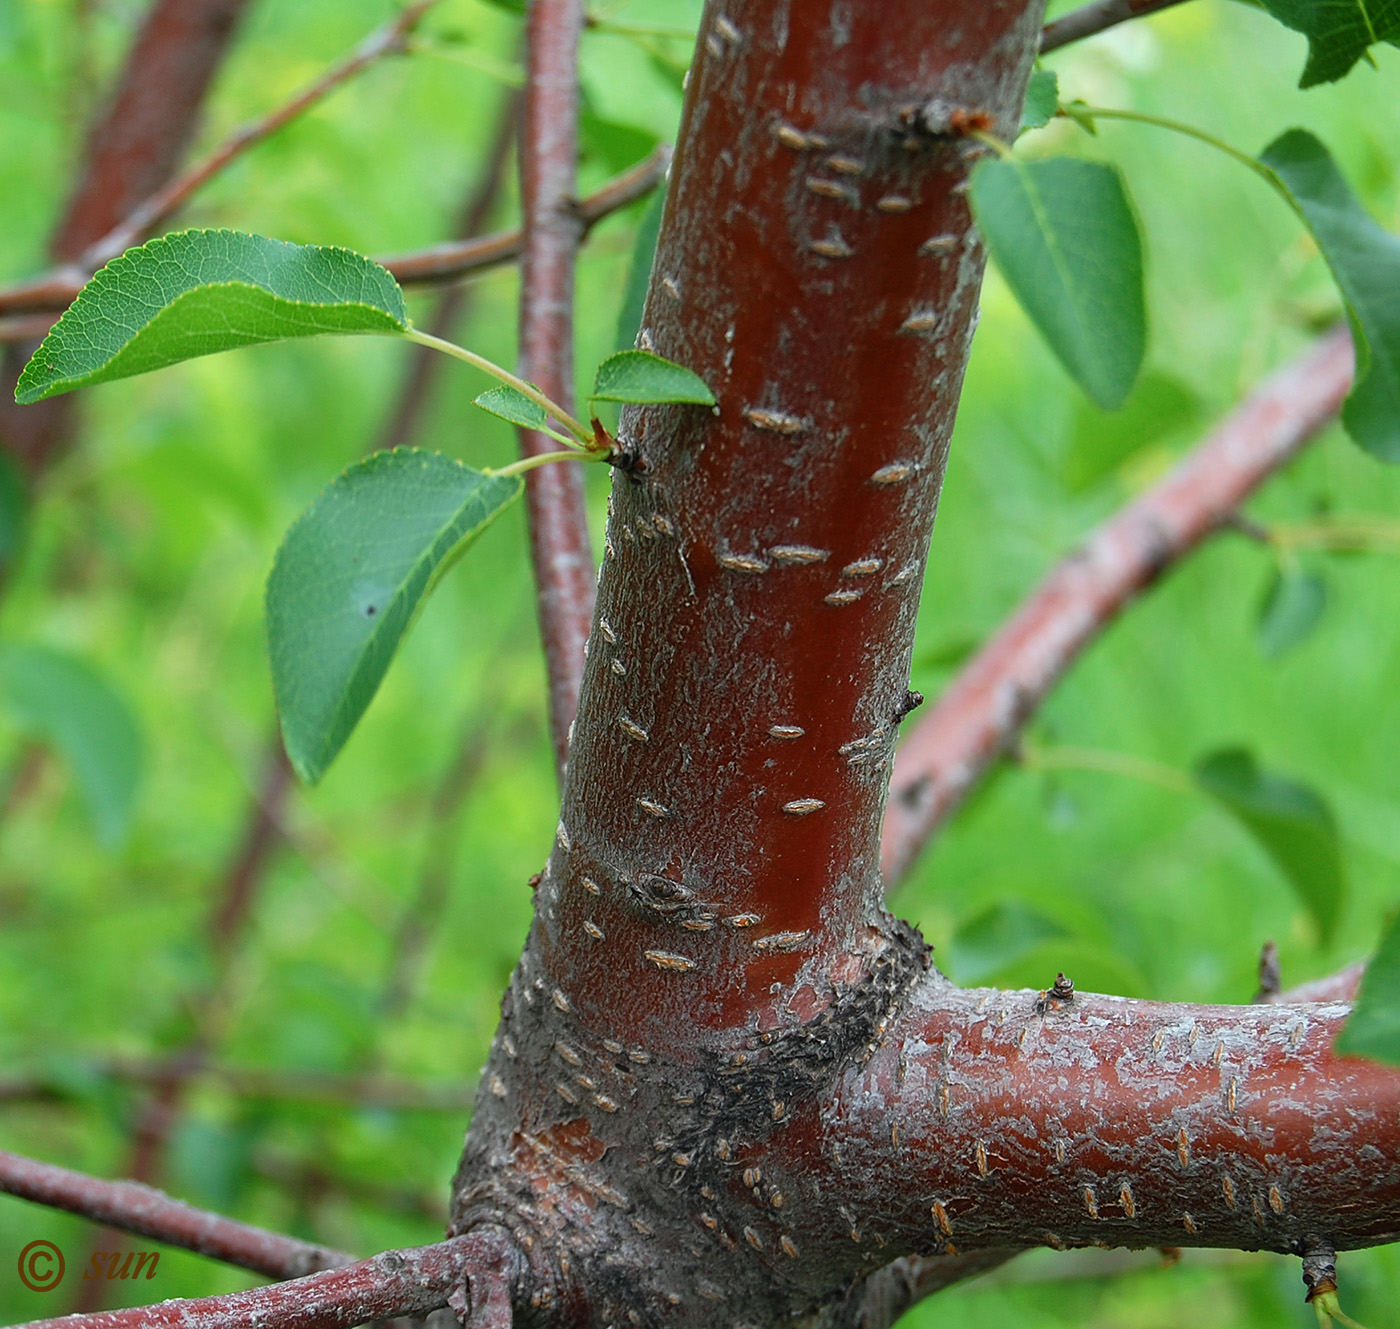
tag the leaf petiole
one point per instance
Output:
(1001, 148)
(543, 459)
(1190, 131)
(1103, 762)
(582, 434)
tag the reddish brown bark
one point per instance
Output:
(559, 543)
(714, 883)
(1104, 1120)
(980, 716)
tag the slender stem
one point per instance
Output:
(54, 291)
(453, 304)
(389, 39)
(147, 1212)
(1190, 131)
(561, 552)
(1356, 536)
(573, 425)
(1328, 1308)
(500, 70)
(1001, 148)
(1096, 17)
(639, 29)
(543, 459)
(1107, 763)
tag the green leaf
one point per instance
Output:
(197, 292)
(513, 405)
(1292, 824)
(1291, 609)
(1373, 1028)
(640, 376)
(348, 579)
(1064, 235)
(1042, 100)
(1339, 32)
(634, 298)
(68, 705)
(1365, 261)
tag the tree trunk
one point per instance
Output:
(728, 1088)
(710, 953)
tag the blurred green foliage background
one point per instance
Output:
(145, 550)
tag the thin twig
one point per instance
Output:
(985, 708)
(1096, 17)
(133, 148)
(435, 266)
(150, 1213)
(390, 39)
(404, 1282)
(57, 289)
(559, 543)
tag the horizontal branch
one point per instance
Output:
(981, 714)
(1102, 1120)
(435, 266)
(1094, 18)
(149, 1213)
(405, 1282)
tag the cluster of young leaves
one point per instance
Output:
(1064, 234)
(359, 563)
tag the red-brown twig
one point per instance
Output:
(559, 544)
(982, 712)
(434, 266)
(149, 1213)
(132, 149)
(390, 39)
(405, 1282)
(457, 259)
(1096, 17)
(94, 231)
